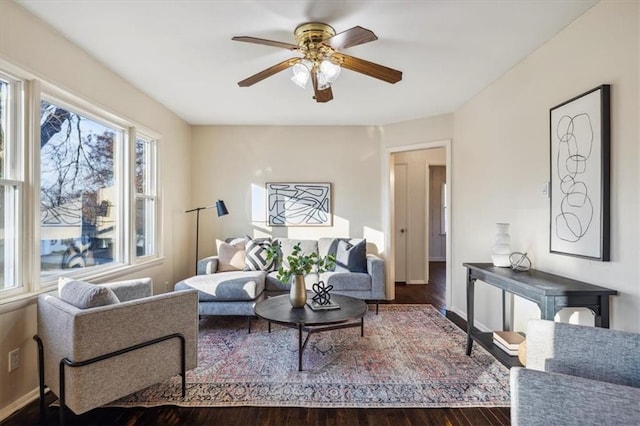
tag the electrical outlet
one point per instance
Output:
(14, 360)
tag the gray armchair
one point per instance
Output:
(89, 356)
(577, 375)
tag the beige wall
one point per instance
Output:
(233, 163)
(501, 160)
(31, 45)
(417, 212)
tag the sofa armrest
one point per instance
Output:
(375, 268)
(595, 353)
(541, 398)
(131, 289)
(208, 265)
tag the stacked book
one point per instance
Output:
(508, 341)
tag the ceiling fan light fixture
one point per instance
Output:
(330, 70)
(301, 73)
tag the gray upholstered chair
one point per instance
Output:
(577, 375)
(98, 343)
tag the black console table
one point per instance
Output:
(550, 292)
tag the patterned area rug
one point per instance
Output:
(410, 356)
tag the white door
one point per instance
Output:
(400, 208)
(437, 225)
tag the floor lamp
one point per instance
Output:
(222, 210)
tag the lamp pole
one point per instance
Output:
(222, 210)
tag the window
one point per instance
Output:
(80, 190)
(11, 143)
(80, 198)
(146, 202)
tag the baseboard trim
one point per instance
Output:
(456, 319)
(19, 403)
(416, 282)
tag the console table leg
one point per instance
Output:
(299, 347)
(602, 319)
(470, 287)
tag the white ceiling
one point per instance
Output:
(181, 52)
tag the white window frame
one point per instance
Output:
(153, 140)
(14, 181)
(121, 183)
(27, 163)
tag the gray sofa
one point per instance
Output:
(577, 375)
(235, 292)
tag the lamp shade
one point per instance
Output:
(222, 209)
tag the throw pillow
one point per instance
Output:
(351, 257)
(256, 255)
(84, 295)
(231, 257)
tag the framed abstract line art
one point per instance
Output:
(298, 204)
(580, 157)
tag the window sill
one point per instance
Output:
(22, 300)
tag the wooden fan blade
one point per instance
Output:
(369, 68)
(321, 96)
(266, 42)
(250, 81)
(351, 37)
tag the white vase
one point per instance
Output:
(501, 246)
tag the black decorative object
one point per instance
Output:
(322, 296)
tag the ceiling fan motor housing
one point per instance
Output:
(310, 36)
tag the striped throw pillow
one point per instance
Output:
(256, 255)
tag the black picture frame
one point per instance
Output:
(580, 145)
(299, 204)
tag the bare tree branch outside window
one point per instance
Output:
(77, 179)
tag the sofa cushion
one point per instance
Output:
(231, 257)
(225, 286)
(85, 295)
(256, 256)
(287, 244)
(351, 257)
(347, 281)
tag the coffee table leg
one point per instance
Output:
(299, 347)
(362, 327)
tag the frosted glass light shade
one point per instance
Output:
(300, 74)
(330, 70)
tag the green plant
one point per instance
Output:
(299, 263)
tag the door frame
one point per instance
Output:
(389, 213)
(427, 197)
(406, 189)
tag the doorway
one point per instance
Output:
(415, 178)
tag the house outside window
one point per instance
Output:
(80, 196)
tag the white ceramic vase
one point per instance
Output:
(501, 246)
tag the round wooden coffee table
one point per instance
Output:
(278, 309)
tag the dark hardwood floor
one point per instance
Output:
(433, 293)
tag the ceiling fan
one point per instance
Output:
(321, 60)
